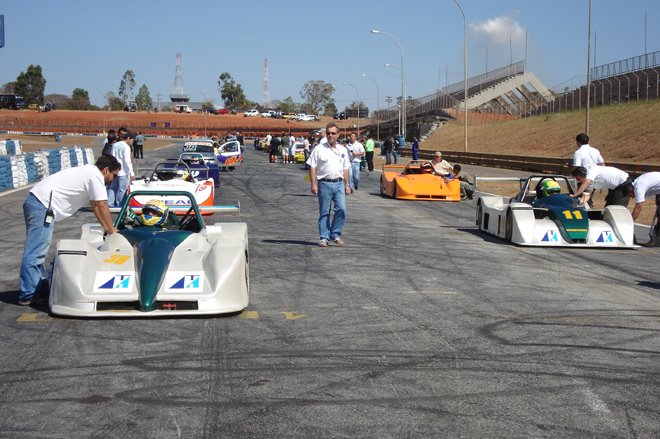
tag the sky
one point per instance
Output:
(90, 44)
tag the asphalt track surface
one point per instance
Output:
(421, 327)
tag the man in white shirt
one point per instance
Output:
(586, 155)
(356, 150)
(440, 166)
(328, 176)
(121, 150)
(645, 186)
(617, 182)
(53, 199)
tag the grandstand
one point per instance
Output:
(513, 91)
(631, 79)
(510, 90)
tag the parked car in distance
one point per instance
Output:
(12, 102)
(307, 117)
(220, 111)
(50, 106)
(251, 113)
(179, 108)
(341, 116)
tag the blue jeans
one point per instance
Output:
(388, 157)
(331, 193)
(395, 157)
(117, 191)
(355, 174)
(37, 241)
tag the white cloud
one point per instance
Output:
(499, 30)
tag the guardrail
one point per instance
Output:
(542, 165)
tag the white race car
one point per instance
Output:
(178, 266)
(529, 218)
(180, 176)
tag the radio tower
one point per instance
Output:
(178, 94)
(266, 86)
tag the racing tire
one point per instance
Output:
(382, 192)
(394, 191)
(508, 233)
(480, 214)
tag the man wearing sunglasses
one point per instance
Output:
(328, 176)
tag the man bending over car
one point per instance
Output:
(53, 199)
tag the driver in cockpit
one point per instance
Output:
(549, 194)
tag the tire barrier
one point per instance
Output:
(18, 169)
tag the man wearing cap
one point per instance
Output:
(440, 166)
(121, 150)
(648, 185)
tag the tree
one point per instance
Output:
(114, 103)
(231, 93)
(126, 86)
(208, 107)
(79, 99)
(317, 95)
(8, 87)
(143, 99)
(31, 85)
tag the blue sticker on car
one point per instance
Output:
(606, 237)
(550, 236)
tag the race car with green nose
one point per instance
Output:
(158, 263)
(536, 217)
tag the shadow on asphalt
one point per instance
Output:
(289, 241)
(648, 284)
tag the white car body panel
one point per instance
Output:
(209, 268)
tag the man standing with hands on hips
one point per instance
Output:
(328, 175)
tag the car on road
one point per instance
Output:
(176, 265)
(188, 174)
(417, 180)
(251, 113)
(530, 218)
(220, 111)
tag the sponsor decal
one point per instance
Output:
(184, 282)
(550, 236)
(72, 252)
(114, 282)
(606, 236)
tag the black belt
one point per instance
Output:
(331, 180)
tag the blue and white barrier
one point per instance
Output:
(18, 169)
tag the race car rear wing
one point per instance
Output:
(183, 209)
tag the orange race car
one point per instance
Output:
(417, 181)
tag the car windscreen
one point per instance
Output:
(201, 147)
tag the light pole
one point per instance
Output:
(364, 75)
(465, 86)
(402, 129)
(399, 106)
(342, 92)
(358, 105)
(586, 118)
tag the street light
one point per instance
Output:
(358, 105)
(342, 92)
(364, 75)
(402, 129)
(395, 67)
(465, 86)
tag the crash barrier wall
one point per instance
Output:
(18, 169)
(543, 165)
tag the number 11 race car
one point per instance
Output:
(157, 264)
(535, 217)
